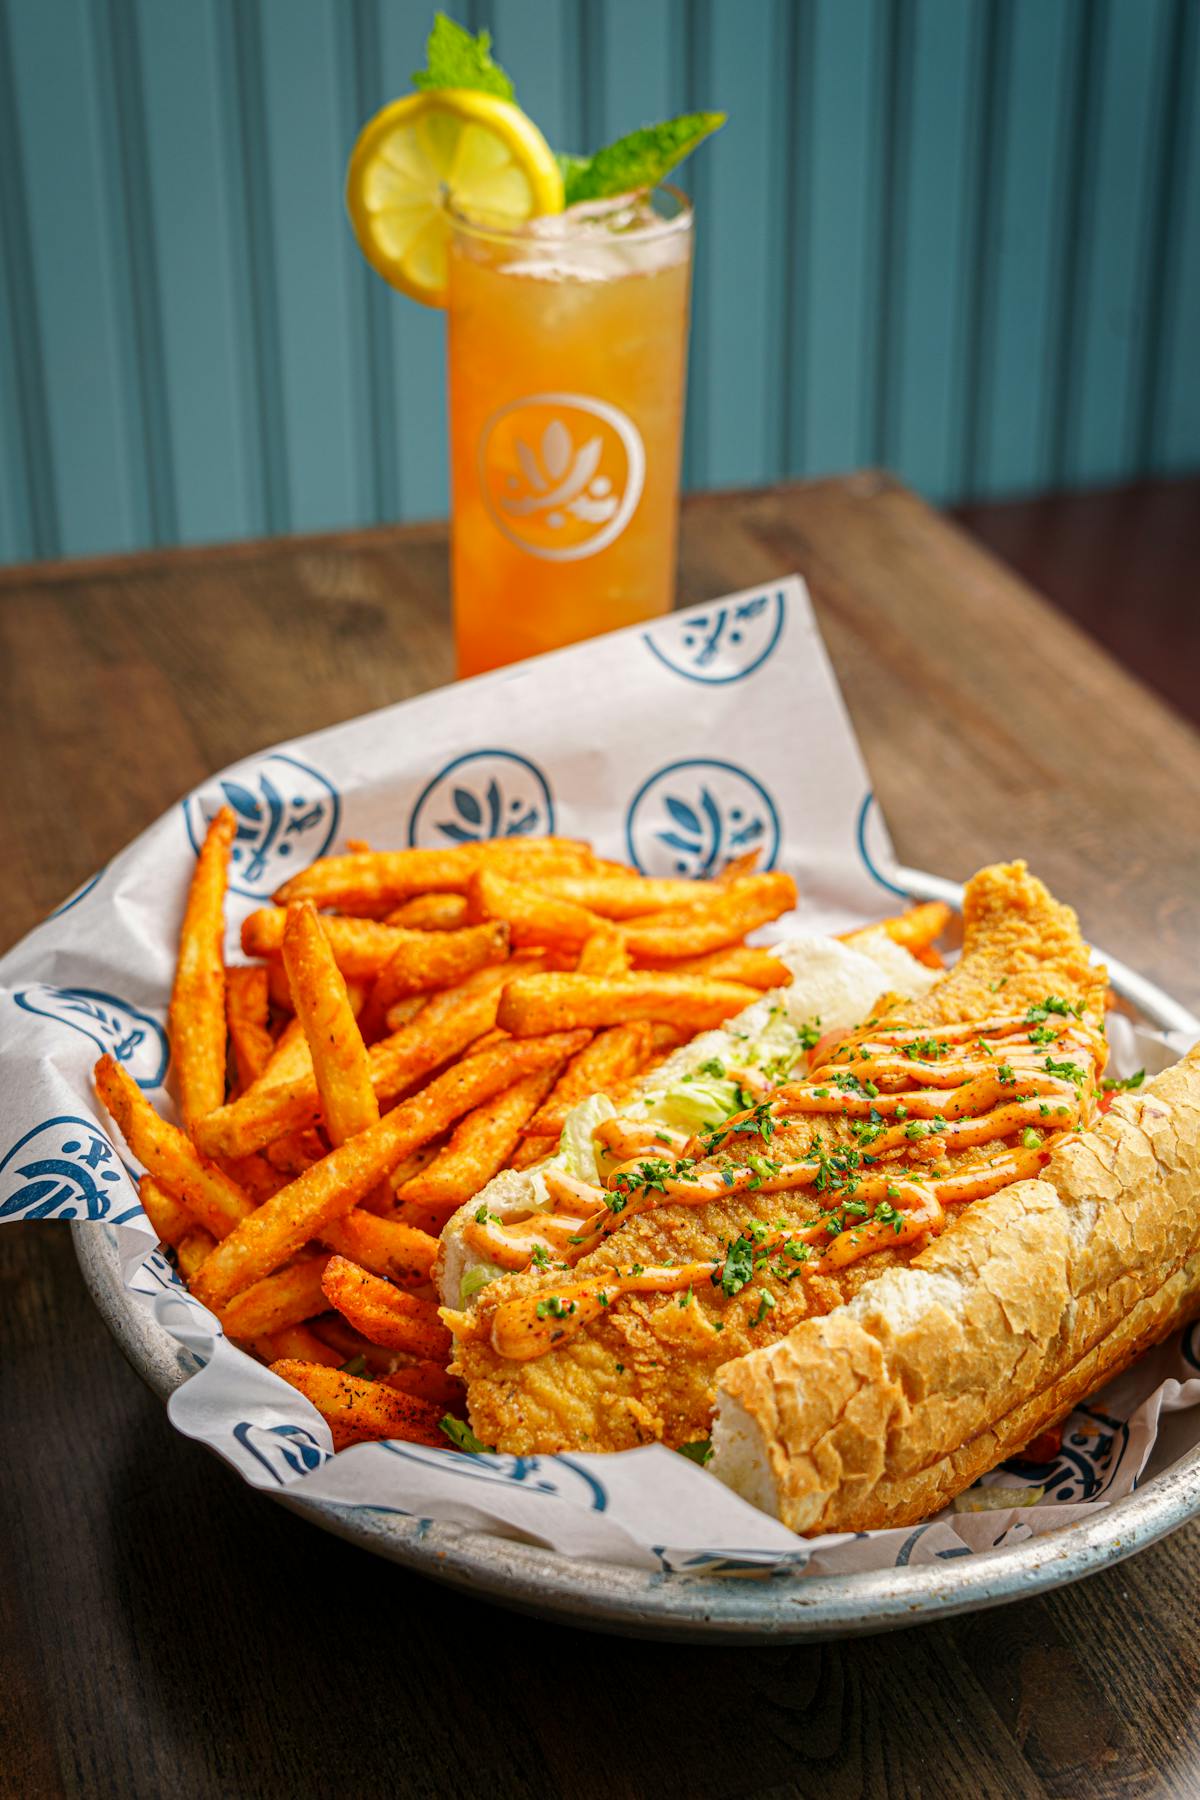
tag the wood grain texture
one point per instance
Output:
(165, 1630)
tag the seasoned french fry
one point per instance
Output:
(603, 953)
(254, 1175)
(757, 968)
(338, 1334)
(294, 1152)
(693, 931)
(277, 987)
(533, 1005)
(386, 1246)
(395, 875)
(192, 1251)
(431, 912)
(739, 866)
(426, 1381)
(213, 1200)
(383, 1313)
(288, 1297)
(533, 917)
(480, 1144)
(447, 1024)
(613, 1056)
(170, 1217)
(357, 1411)
(532, 1150)
(291, 1056)
(339, 1056)
(247, 1007)
(432, 959)
(930, 956)
(404, 1011)
(324, 1193)
(196, 1015)
(299, 1343)
(916, 929)
(361, 947)
(627, 896)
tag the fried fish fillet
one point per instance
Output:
(645, 1369)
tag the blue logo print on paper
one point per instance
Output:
(872, 846)
(1087, 1463)
(555, 1475)
(136, 1040)
(284, 1451)
(287, 813)
(484, 794)
(693, 817)
(64, 1169)
(723, 643)
(81, 893)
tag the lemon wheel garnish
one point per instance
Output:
(472, 149)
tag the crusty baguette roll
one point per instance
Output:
(877, 1414)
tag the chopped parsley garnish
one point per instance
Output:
(714, 1066)
(809, 1034)
(737, 1268)
(1005, 1074)
(1070, 1070)
(886, 1214)
(925, 1050)
(766, 1304)
(1031, 1137)
(554, 1307)
(699, 1452)
(764, 1170)
(541, 1259)
(1053, 1004)
(918, 1129)
(462, 1437)
(483, 1216)
(356, 1366)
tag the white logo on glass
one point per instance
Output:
(561, 474)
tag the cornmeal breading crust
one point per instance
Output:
(647, 1369)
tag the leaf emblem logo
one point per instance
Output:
(723, 643)
(135, 1038)
(484, 794)
(693, 817)
(64, 1169)
(287, 813)
(561, 474)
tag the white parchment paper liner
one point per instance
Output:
(673, 747)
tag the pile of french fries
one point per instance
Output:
(413, 1022)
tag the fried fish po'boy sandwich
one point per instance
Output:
(881, 1412)
(602, 1306)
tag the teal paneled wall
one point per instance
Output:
(960, 237)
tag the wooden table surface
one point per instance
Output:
(163, 1630)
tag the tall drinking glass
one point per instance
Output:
(567, 355)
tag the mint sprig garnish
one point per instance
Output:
(455, 59)
(639, 160)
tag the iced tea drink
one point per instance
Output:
(567, 353)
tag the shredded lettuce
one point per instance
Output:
(696, 1102)
(576, 1152)
(476, 1278)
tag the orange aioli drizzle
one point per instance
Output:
(969, 1100)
